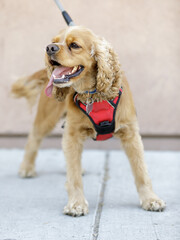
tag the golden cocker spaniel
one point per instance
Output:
(79, 61)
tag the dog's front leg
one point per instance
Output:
(72, 147)
(133, 147)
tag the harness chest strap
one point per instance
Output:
(102, 115)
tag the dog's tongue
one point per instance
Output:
(57, 73)
(49, 88)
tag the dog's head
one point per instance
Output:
(78, 58)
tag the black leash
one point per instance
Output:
(66, 16)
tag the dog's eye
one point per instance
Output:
(73, 45)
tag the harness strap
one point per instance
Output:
(102, 115)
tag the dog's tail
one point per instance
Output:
(30, 86)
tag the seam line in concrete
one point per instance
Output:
(97, 218)
(57, 135)
(154, 228)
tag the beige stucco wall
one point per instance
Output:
(145, 34)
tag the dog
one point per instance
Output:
(82, 68)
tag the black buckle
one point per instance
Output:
(104, 124)
(105, 127)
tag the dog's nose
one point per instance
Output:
(52, 49)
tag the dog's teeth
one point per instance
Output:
(74, 69)
(63, 76)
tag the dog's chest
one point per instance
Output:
(101, 114)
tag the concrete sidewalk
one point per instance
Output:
(32, 208)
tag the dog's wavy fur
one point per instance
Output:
(103, 72)
(30, 87)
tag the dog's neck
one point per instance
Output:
(87, 92)
(82, 87)
(86, 86)
(91, 94)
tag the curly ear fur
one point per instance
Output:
(108, 68)
(60, 93)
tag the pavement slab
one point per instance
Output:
(122, 218)
(32, 208)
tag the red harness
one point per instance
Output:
(101, 114)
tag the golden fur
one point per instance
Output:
(102, 72)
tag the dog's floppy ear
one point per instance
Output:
(60, 93)
(108, 67)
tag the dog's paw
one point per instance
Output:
(76, 209)
(27, 171)
(154, 204)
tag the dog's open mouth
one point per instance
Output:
(62, 74)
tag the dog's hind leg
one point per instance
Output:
(48, 114)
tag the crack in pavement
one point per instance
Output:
(97, 218)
